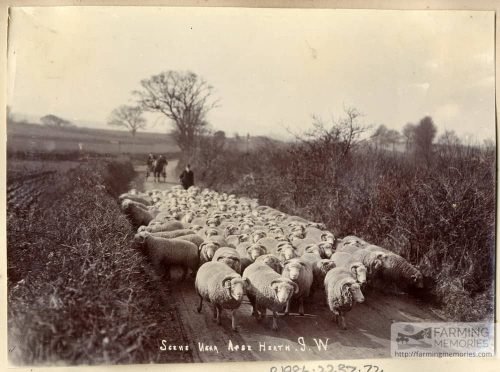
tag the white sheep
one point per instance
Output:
(170, 234)
(143, 199)
(272, 261)
(229, 256)
(207, 250)
(164, 253)
(286, 251)
(342, 291)
(138, 215)
(220, 285)
(249, 252)
(346, 260)
(165, 226)
(268, 290)
(373, 260)
(193, 238)
(301, 273)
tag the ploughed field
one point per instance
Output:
(313, 335)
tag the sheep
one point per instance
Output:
(165, 252)
(137, 204)
(396, 269)
(373, 260)
(146, 200)
(302, 274)
(286, 251)
(348, 248)
(193, 238)
(138, 215)
(342, 291)
(164, 226)
(229, 256)
(272, 261)
(249, 252)
(268, 290)
(346, 260)
(320, 266)
(220, 285)
(327, 248)
(207, 250)
(170, 234)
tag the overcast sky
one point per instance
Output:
(271, 68)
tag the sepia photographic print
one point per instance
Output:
(225, 184)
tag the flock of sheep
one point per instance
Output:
(235, 247)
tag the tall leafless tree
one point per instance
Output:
(129, 117)
(183, 97)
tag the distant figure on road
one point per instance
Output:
(160, 167)
(150, 165)
(187, 177)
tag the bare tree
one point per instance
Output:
(184, 98)
(55, 121)
(129, 117)
(409, 135)
(449, 138)
(340, 137)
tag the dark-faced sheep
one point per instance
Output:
(272, 261)
(220, 285)
(230, 257)
(342, 291)
(137, 215)
(207, 250)
(268, 290)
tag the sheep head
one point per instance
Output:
(209, 248)
(140, 239)
(230, 230)
(355, 290)
(284, 289)
(244, 238)
(325, 265)
(257, 235)
(211, 232)
(326, 249)
(235, 286)
(328, 237)
(286, 251)
(292, 268)
(417, 280)
(256, 250)
(358, 270)
(272, 261)
(196, 227)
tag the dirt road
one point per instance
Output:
(299, 337)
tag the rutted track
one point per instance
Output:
(367, 334)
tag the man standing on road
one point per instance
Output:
(149, 165)
(187, 177)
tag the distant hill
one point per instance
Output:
(36, 137)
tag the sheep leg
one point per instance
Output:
(200, 305)
(219, 310)
(275, 321)
(215, 312)
(301, 306)
(342, 321)
(287, 309)
(233, 320)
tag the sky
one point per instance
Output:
(271, 69)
